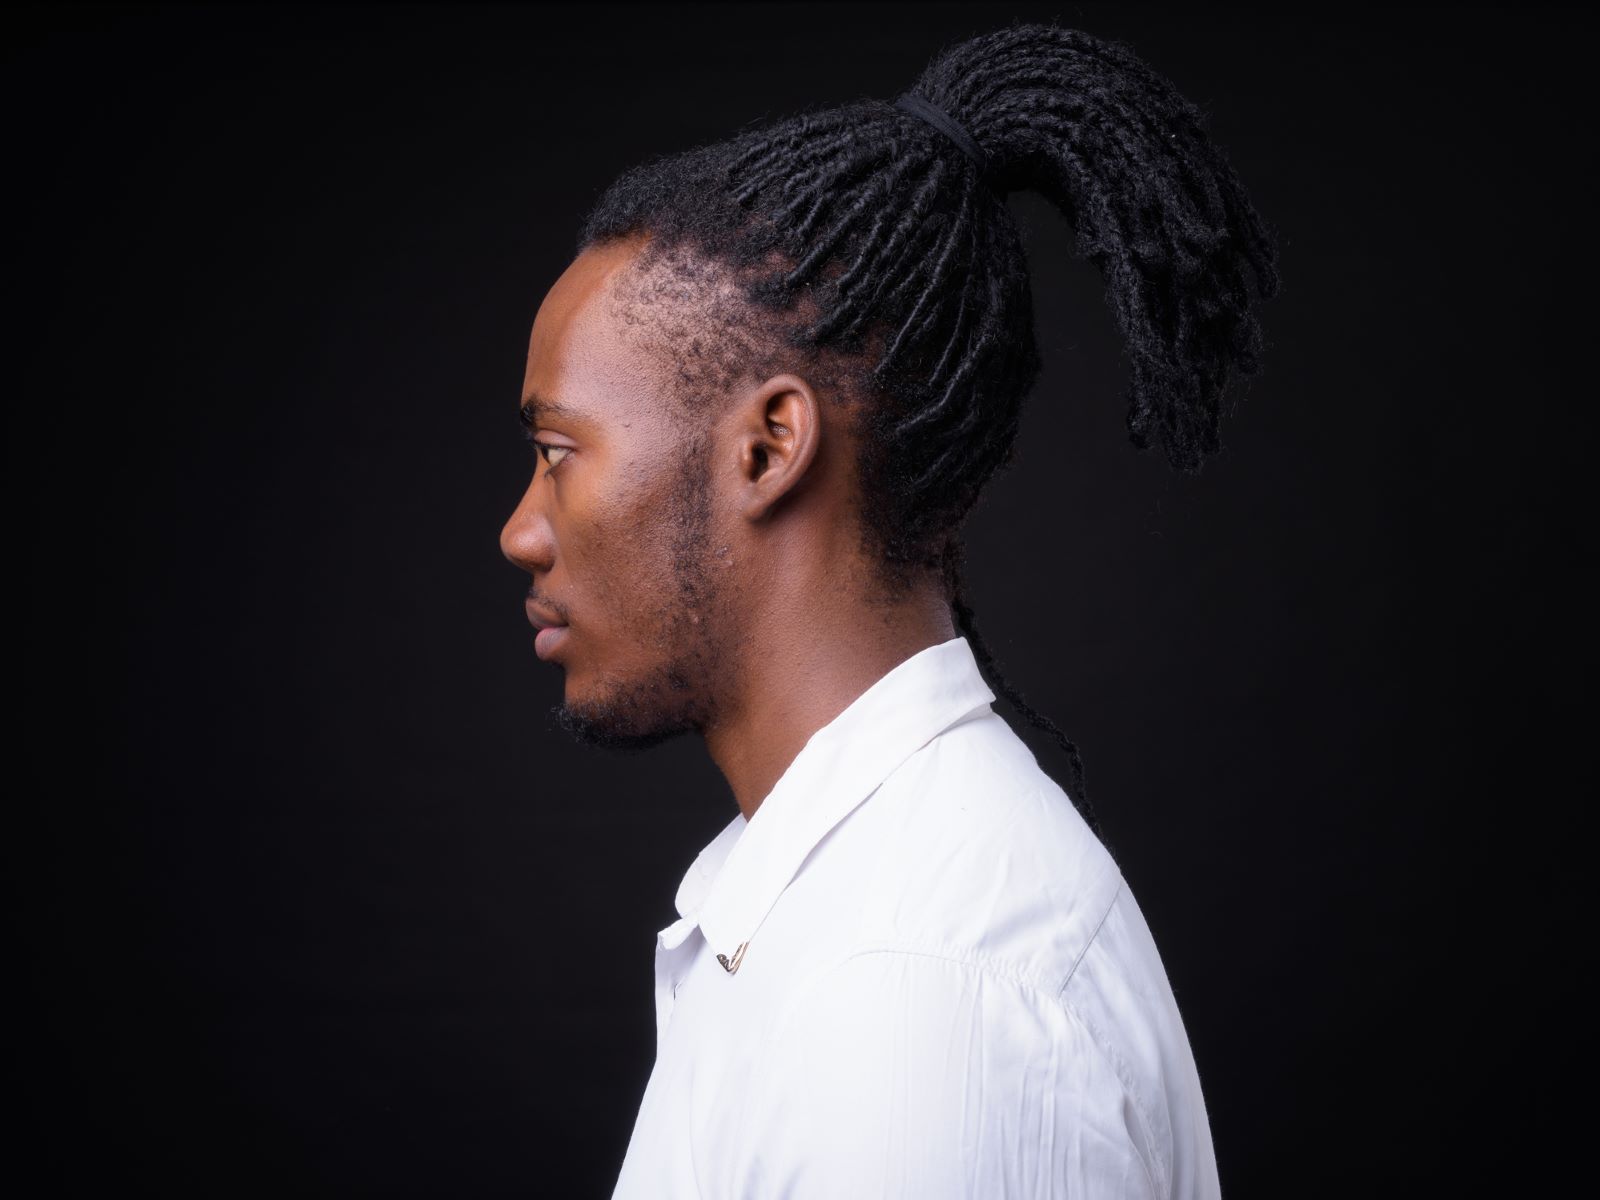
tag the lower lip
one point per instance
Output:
(548, 640)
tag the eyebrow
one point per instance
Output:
(535, 408)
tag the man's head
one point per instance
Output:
(863, 239)
(663, 497)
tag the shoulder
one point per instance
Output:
(998, 938)
(982, 856)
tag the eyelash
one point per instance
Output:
(543, 449)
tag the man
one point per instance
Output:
(908, 966)
(907, 957)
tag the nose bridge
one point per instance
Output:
(526, 539)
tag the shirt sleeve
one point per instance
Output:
(898, 1074)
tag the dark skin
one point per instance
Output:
(712, 585)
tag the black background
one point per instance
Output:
(309, 893)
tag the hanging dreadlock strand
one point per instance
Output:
(967, 623)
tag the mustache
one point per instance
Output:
(547, 604)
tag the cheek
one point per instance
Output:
(617, 549)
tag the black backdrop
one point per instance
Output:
(308, 893)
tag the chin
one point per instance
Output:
(607, 728)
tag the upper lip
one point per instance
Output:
(540, 618)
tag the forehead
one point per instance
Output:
(579, 358)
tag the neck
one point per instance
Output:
(809, 664)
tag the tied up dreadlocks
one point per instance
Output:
(863, 243)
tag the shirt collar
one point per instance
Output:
(736, 880)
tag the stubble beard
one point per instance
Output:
(678, 695)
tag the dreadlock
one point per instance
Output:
(865, 242)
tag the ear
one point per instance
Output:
(779, 429)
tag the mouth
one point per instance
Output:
(552, 631)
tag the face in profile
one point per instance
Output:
(617, 528)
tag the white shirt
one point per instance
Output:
(917, 973)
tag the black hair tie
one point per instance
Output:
(947, 125)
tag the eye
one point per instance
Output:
(544, 449)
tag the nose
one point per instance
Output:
(527, 540)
